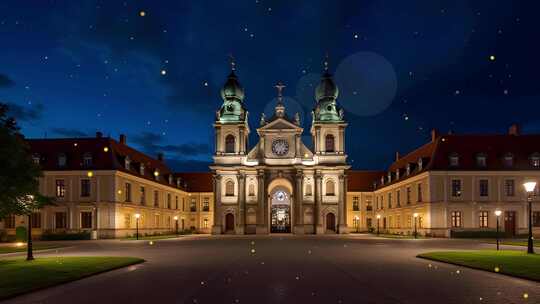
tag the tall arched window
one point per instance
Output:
(330, 188)
(229, 188)
(229, 143)
(329, 143)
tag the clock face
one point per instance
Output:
(280, 147)
(280, 196)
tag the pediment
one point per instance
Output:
(279, 124)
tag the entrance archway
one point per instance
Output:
(331, 222)
(280, 198)
(229, 222)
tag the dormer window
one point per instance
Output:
(535, 160)
(382, 180)
(389, 176)
(178, 182)
(141, 170)
(508, 160)
(156, 174)
(87, 160)
(397, 173)
(420, 164)
(408, 169)
(62, 160)
(481, 160)
(36, 159)
(127, 162)
(453, 160)
(170, 179)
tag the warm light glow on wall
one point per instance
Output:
(90, 174)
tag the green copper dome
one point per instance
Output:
(327, 89)
(232, 90)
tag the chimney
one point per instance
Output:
(434, 135)
(397, 155)
(514, 130)
(123, 139)
(99, 134)
(160, 156)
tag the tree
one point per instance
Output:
(19, 176)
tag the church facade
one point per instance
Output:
(279, 185)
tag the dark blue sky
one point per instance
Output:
(70, 68)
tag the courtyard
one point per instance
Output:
(283, 269)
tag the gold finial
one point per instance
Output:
(233, 62)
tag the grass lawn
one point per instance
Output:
(516, 242)
(14, 248)
(510, 262)
(20, 276)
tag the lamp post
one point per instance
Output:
(378, 219)
(357, 220)
(529, 187)
(137, 216)
(176, 223)
(415, 215)
(498, 214)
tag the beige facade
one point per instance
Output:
(448, 201)
(109, 205)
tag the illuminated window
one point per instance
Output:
(535, 160)
(193, 205)
(456, 219)
(206, 204)
(205, 223)
(60, 188)
(355, 203)
(483, 219)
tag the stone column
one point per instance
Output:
(297, 145)
(261, 228)
(240, 227)
(241, 141)
(341, 140)
(319, 229)
(218, 140)
(216, 228)
(299, 227)
(317, 140)
(342, 210)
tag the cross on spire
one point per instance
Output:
(280, 86)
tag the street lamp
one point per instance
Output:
(378, 219)
(415, 215)
(176, 223)
(498, 214)
(529, 187)
(137, 216)
(357, 222)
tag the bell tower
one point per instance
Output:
(231, 124)
(328, 124)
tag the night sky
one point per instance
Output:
(153, 69)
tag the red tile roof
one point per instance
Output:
(112, 159)
(197, 181)
(362, 181)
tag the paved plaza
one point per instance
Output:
(283, 269)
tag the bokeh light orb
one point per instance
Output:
(367, 83)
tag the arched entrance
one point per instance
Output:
(280, 197)
(330, 222)
(229, 222)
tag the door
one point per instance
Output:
(331, 222)
(229, 222)
(510, 223)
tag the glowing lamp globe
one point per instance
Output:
(498, 212)
(529, 186)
